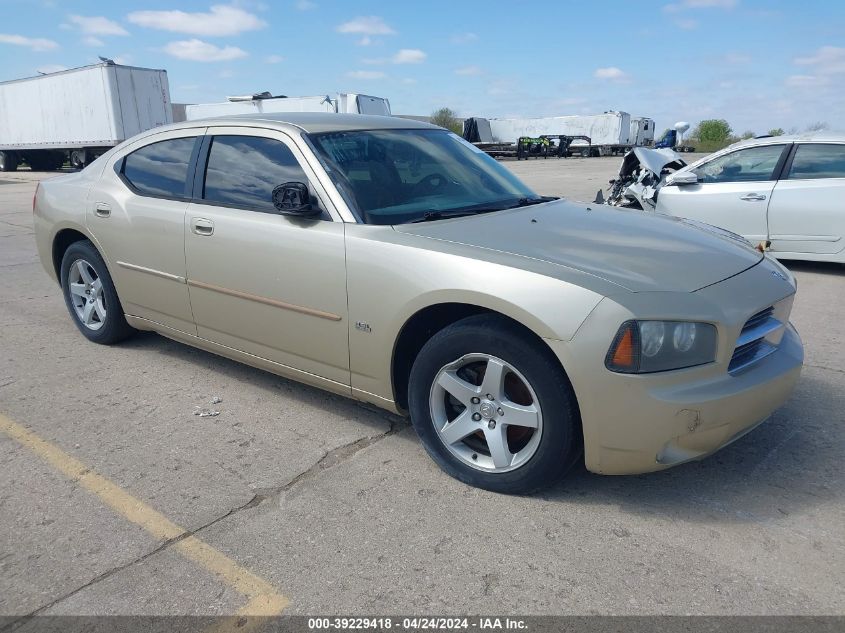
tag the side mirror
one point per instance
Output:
(682, 178)
(293, 198)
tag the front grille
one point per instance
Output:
(758, 318)
(752, 346)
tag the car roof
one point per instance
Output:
(816, 137)
(310, 122)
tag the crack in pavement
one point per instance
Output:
(839, 371)
(329, 460)
(107, 574)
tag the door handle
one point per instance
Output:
(202, 226)
(102, 210)
(751, 197)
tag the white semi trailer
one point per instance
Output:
(609, 132)
(78, 114)
(263, 103)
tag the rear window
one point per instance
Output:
(813, 160)
(160, 169)
(242, 171)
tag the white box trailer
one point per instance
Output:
(260, 104)
(642, 131)
(80, 112)
(609, 132)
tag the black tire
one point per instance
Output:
(114, 327)
(78, 159)
(8, 161)
(560, 443)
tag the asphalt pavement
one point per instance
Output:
(116, 499)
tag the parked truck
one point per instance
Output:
(264, 102)
(642, 131)
(78, 114)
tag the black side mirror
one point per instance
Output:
(293, 198)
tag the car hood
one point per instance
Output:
(632, 249)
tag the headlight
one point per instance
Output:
(642, 347)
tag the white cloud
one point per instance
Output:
(464, 38)
(220, 20)
(199, 51)
(806, 81)
(409, 81)
(700, 4)
(50, 68)
(409, 56)
(366, 74)
(403, 56)
(90, 40)
(122, 59)
(611, 72)
(686, 24)
(38, 44)
(97, 25)
(366, 25)
(274, 59)
(468, 70)
(828, 60)
(305, 5)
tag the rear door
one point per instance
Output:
(807, 211)
(137, 214)
(267, 284)
(732, 192)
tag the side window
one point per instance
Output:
(813, 160)
(242, 171)
(160, 169)
(753, 164)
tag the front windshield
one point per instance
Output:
(398, 176)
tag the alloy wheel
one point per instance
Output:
(86, 294)
(486, 413)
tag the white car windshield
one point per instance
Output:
(398, 176)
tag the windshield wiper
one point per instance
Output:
(525, 202)
(482, 208)
(440, 215)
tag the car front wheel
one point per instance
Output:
(493, 407)
(90, 295)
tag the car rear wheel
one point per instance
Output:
(493, 408)
(90, 295)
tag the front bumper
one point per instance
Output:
(643, 423)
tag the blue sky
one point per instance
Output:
(757, 64)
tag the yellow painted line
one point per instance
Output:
(264, 600)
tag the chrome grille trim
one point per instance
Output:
(751, 345)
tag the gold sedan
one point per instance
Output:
(392, 262)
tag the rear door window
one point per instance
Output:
(752, 164)
(160, 169)
(817, 160)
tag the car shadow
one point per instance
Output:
(823, 268)
(787, 465)
(274, 385)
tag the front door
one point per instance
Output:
(807, 212)
(733, 191)
(267, 284)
